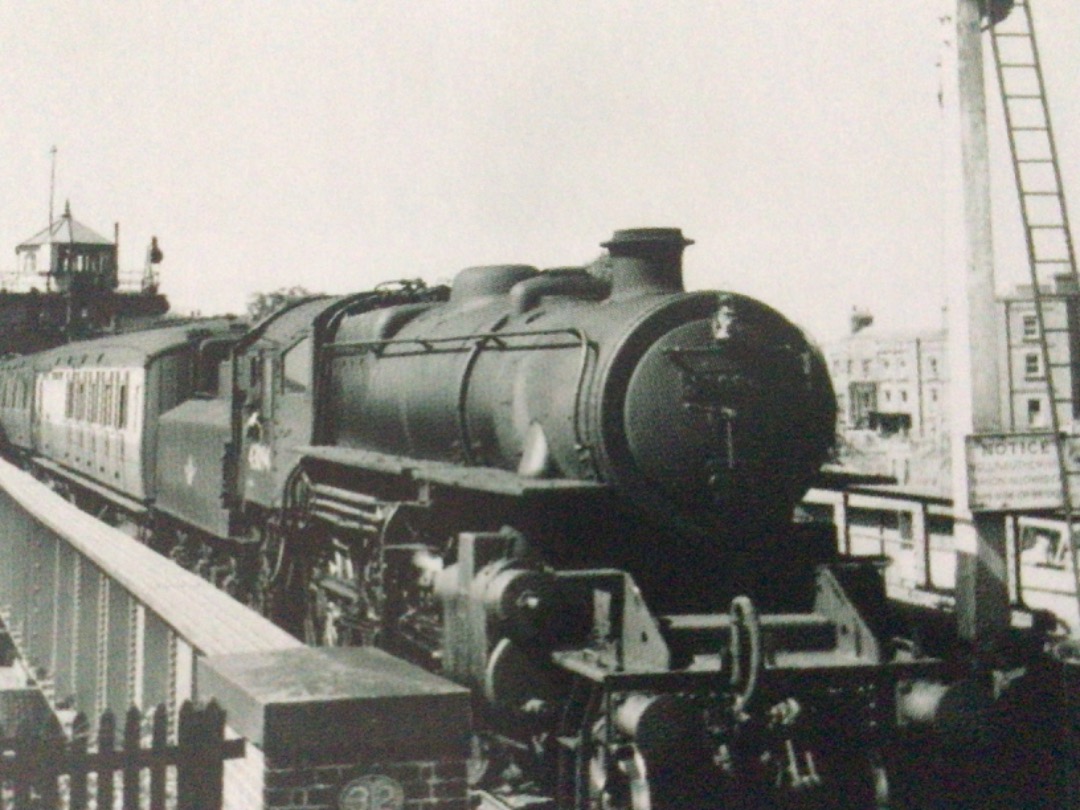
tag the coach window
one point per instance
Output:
(107, 416)
(95, 389)
(297, 368)
(121, 416)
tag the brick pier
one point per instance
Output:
(346, 729)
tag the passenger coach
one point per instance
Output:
(89, 412)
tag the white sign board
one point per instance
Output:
(1016, 471)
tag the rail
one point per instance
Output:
(103, 621)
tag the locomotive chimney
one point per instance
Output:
(646, 260)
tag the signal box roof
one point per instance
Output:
(64, 230)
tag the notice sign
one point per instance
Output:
(1015, 471)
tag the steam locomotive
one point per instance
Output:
(571, 489)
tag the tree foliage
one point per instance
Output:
(261, 304)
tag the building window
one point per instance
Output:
(1031, 327)
(903, 396)
(1032, 366)
(933, 395)
(933, 365)
(1034, 413)
(888, 396)
(866, 368)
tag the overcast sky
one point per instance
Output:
(338, 143)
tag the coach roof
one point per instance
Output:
(138, 348)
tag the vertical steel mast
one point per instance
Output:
(982, 591)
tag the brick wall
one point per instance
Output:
(418, 785)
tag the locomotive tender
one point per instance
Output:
(567, 489)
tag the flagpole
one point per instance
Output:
(52, 187)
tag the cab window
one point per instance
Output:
(297, 368)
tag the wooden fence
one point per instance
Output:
(141, 769)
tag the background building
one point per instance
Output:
(68, 255)
(67, 286)
(1026, 398)
(890, 382)
(892, 388)
(892, 392)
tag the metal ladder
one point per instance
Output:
(1042, 205)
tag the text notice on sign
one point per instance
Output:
(1014, 471)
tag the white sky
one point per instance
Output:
(338, 143)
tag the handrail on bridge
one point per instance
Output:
(102, 621)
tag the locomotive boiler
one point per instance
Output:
(686, 425)
(571, 490)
